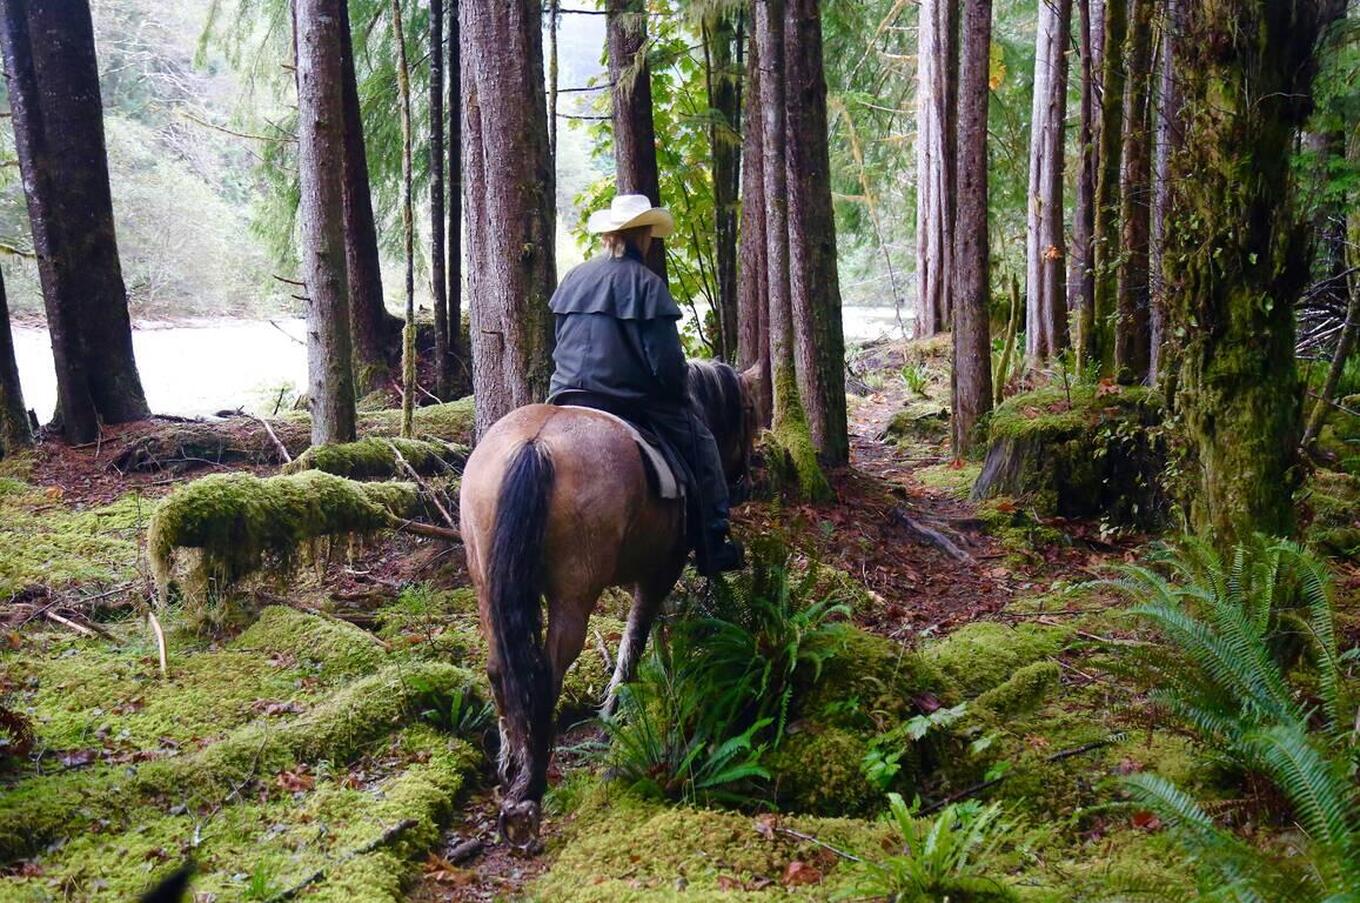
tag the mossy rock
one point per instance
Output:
(372, 458)
(240, 523)
(1022, 693)
(1093, 453)
(919, 422)
(333, 646)
(984, 654)
(819, 771)
(868, 678)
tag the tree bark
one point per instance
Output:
(972, 374)
(1097, 334)
(1133, 343)
(58, 121)
(15, 431)
(753, 309)
(438, 285)
(724, 99)
(321, 141)
(935, 159)
(1237, 258)
(1081, 275)
(1166, 140)
(1046, 299)
(634, 136)
(454, 234)
(409, 376)
(372, 328)
(509, 198)
(819, 349)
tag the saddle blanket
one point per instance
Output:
(668, 484)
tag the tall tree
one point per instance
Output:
(1237, 256)
(722, 41)
(1081, 275)
(321, 141)
(438, 285)
(454, 235)
(1132, 342)
(1166, 138)
(936, 99)
(1045, 246)
(372, 328)
(509, 201)
(753, 308)
(15, 432)
(59, 135)
(409, 376)
(634, 134)
(814, 285)
(1097, 338)
(972, 379)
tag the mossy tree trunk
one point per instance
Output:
(1166, 138)
(1097, 338)
(937, 101)
(972, 372)
(819, 336)
(372, 328)
(438, 284)
(454, 234)
(408, 228)
(509, 197)
(15, 433)
(722, 62)
(330, 373)
(54, 98)
(1238, 257)
(1081, 275)
(753, 307)
(1045, 246)
(1132, 340)
(634, 135)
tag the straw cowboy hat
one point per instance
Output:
(630, 211)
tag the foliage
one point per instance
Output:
(944, 857)
(883, 761)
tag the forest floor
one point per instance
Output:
(326, 739)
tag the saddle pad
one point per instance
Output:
(668, 485)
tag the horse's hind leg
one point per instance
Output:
(647, 599)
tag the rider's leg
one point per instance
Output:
(688, 434)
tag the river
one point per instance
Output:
(201, 367)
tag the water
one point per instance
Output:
(196, 369)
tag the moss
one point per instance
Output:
(869, 679)
(584, 684)
(41, 541)
(451, 421)
(985, 654)
(1021, 694)
(791, 456)
(947, 478)
(333, 646)
(919, 422)
(819, 771)
(1048, 412)
(372, 457)
(1335, 502)
(240, 523)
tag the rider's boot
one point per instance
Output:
(717, 552)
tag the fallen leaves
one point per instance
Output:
(298, 781)
(800, 873)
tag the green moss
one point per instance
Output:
(985, 654)
(372, 457)
(1021, 694)
(789, 452)
(451, 421)
(819, 771)
(1335, 502)
(870, 679)
(239, 523)
(1048, 412)
(947, 478)
(584, 684)
(42, 541)
(333, 646)
(919, 422)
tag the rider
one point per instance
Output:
(618, 349)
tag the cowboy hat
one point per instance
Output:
(630, 211)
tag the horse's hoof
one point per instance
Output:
(518, 826)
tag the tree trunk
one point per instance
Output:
(1046, 313)
(454, 234)
(935, 159)
(724, 99)
(1166, 139)
(972, 375)
(510, 201)
(1237, 258)
(1133, 343)
(438, 285)
(634, 137)
(372, 328)
(819, 349)
(59, 136)
(753, 308)
(1081, 275)
(409, 377)
(1097, 334)
(330, 374)
(15, 432)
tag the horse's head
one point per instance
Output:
(729, 403)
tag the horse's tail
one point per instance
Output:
(514, 576)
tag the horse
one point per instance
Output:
(556, 504)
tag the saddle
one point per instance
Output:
(663, 473)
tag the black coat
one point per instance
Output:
(617, 334)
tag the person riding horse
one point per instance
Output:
(618, 350)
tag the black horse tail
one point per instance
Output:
(514, 575)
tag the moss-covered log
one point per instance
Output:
(1093, 453)
(373, 458)
(239, 523)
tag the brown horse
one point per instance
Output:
(556, 504)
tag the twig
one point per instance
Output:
(984, 785)
(799, 835)
(283, 449)
(381, 840)
(428, 530)
(155, 623)
(78, 628)
(285, 332)
(425, 487)
(604, 653)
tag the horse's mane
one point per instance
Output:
(715, 392)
